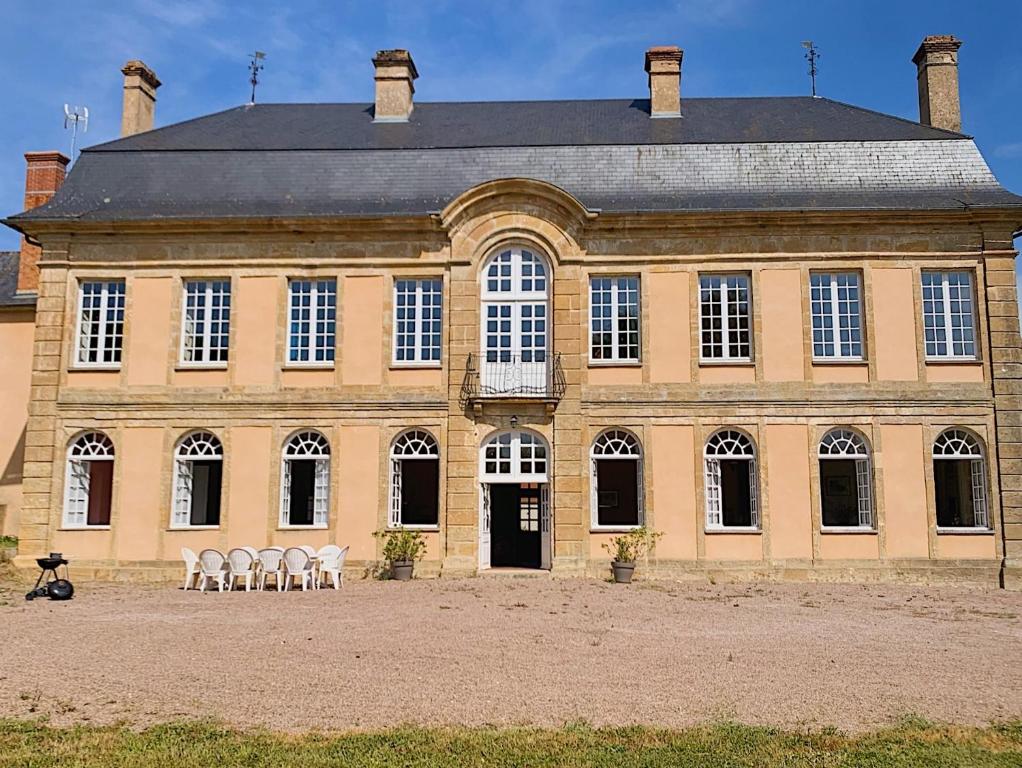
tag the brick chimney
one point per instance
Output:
(395, 72)
(663, 63)
(937, 61)
(44, 173)
(140, 84)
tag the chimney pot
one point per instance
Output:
(663, 63)
(937, 63)
(44, 173)
(395, 73)
(140, 84)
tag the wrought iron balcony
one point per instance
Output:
(509, 378)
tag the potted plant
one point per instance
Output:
(627, 548)
(401, 548)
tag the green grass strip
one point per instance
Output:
(913, 744)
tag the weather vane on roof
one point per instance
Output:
(255, 66)
(811, 56)
(74, 117)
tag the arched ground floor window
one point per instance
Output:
(415, 480)
(731, 481)
(305, 480)
(90, 479)
(198, 481)
(959, 480)
(846, 480)
(616, 473)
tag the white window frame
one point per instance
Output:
(944, 317)
(317, 341)
(832, 287)
(104, 330)
(304, 445)
(520, 443)
(729, 439)
(728, 317)
(610, 445)
(617, 303)
(959, 444)
(411, 445)
(419, 323)
(847, 444)
(195, 446)
(81, 452)
(205, 347)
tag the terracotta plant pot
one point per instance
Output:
(622, 572)
(401, 570)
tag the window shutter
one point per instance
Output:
(713, 519)
(322, 492)
(753, 495)
(979, 494)
(865, 492)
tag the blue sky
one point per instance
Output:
(56, 51)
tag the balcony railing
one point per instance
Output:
(511, 379)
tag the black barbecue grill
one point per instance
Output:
(50, 584)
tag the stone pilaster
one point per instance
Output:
(1006, 367)
(41, 507)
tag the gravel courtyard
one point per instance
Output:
(510, 651)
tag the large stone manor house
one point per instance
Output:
(783, 332)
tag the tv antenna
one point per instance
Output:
(811, 56)
(255, 66)
(74, 117)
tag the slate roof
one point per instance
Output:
(9, 261)
(331, 160)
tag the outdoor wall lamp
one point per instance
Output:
(514, 422)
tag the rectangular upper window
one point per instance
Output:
(836, 305)
(614, 318)
(100, 334)
(948, 321)
(418, 321)
(312, 314)
(206, 322)
(724, 318)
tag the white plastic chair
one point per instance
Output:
(211, 565)
(242, 566)
(271, 564)
(298, 563)
(331, 563)
(313, 555)
(252, 551)
(192, 569)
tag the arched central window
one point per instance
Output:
(513, 457)
(515, 323)
(846, 480)
(198, 480)
(959, 480)
(414, 480)
(616, 473)
(90, 479)
(731, 481)
(305, 480)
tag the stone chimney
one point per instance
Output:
(663, 63)
(937, 60)
(395, 72)
(44, 173)
(140, 84)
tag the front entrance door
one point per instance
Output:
(516, 526)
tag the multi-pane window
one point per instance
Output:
(305, 480)
(312, 310)
(206, 321)
(836, 305)
(414, 480)
(100, 322)
(511, 455)
(616, 479)
(198, 480)
(732, 484)
(846, 480)
(724, 317)
(948, 321)
(614, 318)
(959, 481)
(418, 318)
(89, 484)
